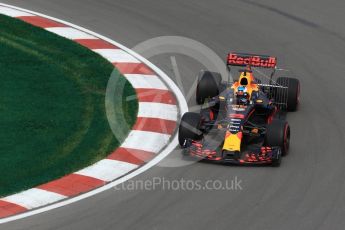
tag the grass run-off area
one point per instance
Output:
(52, 106)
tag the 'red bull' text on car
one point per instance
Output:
(243, 121)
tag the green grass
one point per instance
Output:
(52, 106)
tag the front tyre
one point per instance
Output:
(189, 128)
(278, 135)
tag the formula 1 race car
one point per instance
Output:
(243, 121)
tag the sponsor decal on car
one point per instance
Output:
(252, 60)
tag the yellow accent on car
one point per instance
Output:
(232, 142)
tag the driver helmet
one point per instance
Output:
(242, 96)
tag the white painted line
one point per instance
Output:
(107, 170)
(149, 141)
(158, 110)
(34, 198)
(183, 107)
(70, 33)
(116, 55)
(140, 81)
(13, 13)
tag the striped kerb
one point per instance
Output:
(155, 124)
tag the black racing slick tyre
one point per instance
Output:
(208, 86)
(293, 92)
(278, 135)
(189, 128)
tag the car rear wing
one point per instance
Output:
(252, 60)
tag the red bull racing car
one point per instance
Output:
(243, 121)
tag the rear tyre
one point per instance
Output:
(278, 135)
(208, 86)
(293, 92)
(189, 128)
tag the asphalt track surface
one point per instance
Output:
(306, 192)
